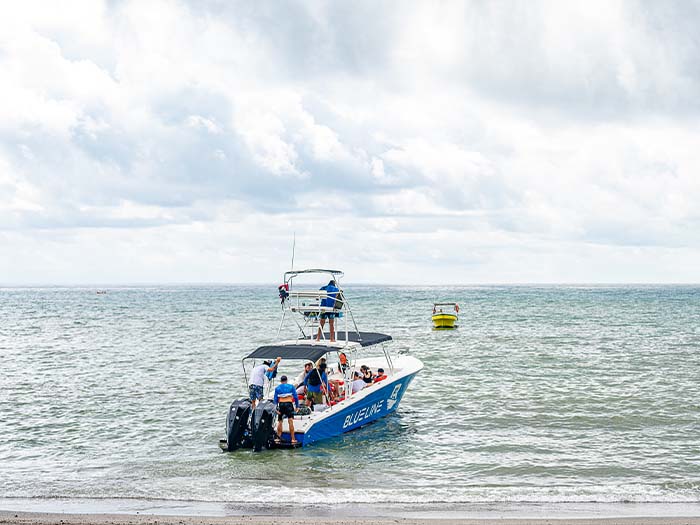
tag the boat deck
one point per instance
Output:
(302, 422)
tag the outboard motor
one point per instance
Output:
(262, 432)
(237, 429)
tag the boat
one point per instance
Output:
(445, 315)
(341, 411)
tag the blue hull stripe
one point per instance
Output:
(379, 403)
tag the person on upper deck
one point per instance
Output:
(329, 301)
(286, 399)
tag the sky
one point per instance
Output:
(405, 142)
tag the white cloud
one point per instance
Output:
(547, 142)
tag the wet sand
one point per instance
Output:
(40, 518)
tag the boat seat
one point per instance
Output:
(337, 400)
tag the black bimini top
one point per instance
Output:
(301, 351)
(365, 338)
(311, 352)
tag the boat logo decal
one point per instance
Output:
(392, 398)
(363, 414)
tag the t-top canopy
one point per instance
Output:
(311, 352)
(364, 338)
(301, 351)
(294, 273)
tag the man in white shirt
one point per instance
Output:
(257, 380)
(357, 382)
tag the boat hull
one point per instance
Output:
(381, 402)
(444, 320)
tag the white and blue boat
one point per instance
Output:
(342, 410)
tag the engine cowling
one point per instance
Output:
(262, 425)
(237, 426)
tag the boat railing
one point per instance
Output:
(308, 303)
(445, 308)
(313, 294)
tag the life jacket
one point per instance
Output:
(380, 378)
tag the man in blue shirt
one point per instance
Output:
(329, 301)
(316, 383)
(287, 399)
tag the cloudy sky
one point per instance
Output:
(404, 142)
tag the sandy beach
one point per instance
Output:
(35, 518)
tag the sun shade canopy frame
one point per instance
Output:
(363, 338)
(312, 352)
(288, 276)
(306, 352)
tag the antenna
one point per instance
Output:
(294, 245)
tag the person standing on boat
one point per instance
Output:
(316, 384)
(287, 400)
(257, 379)
(329, 301)
(299, 381)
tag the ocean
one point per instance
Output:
(543, 395)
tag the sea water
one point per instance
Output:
(542, 395)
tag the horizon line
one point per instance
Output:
(223, 283)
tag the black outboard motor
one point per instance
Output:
(262, 432)
(237, 429)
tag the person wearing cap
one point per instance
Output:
(287, 400)
(299, 381)
(381, 376)
(257, 379)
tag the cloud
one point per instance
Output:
(435, 131)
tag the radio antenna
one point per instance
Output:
(294, 245)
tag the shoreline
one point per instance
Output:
(46, 518)
(83, 511)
